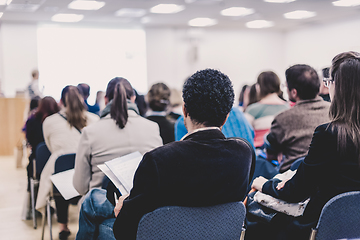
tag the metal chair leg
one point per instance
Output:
(242, 236)
(32, 191)
(43, 225)
(49, 217)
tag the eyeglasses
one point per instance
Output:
(327, 81)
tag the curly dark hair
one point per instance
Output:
(208, 96)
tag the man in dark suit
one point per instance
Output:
(202, 169)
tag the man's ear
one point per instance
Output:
(106, 100)
(184, 111)
(293, 93)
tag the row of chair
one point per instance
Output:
(339, 218)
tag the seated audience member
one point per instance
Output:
(254, 95)
(158, 101)
(84, 90)
(62, 133)
(203, 169)
(332, 164)
(324, 91)
(140, 103)
(291, 131)
(244, 97)
(236, 125)
(100, 100)
(261, 114)
(176, 103)
(34, 132)
(120, 131)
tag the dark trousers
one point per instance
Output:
(62, 207)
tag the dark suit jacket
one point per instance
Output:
(324, 174)
(202, 170)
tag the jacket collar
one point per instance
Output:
(316, 99)
(204, 134)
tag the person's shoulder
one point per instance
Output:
(92, 116)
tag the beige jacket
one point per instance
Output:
(61, 139)
(104, 141)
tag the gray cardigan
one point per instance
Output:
(104, 141)
(292, 130)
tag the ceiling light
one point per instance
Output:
(167, 8)
(279, 1)
(67, 17)
(259, 24)
(1, 14)
(130, 12)
(86, 5)
(202, 22)
(299, 14)
(237, 11)
(346, 3)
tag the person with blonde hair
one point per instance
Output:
(62, 133)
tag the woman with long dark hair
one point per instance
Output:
(120, 131)
(62, 133)
(34, 133)
(332, 164)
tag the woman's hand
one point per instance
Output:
(119, 204)
(258, 183)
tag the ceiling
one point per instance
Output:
(41, 11)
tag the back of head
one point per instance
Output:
(242, 92)
(47, 107)
(158, 97)
(35, 74)
(345, 104)
(268, 82)
(304, 79)
(253, 95)
(34, 102)
(208, 97)
(84, 90)
(119, 90)
(74, 105)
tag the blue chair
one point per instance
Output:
(62, 163)
(224, 221)
(42, 156)
(339, 218)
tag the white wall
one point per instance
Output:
(317, 45)
(18, 56)
(242, 55)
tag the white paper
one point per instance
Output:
(112, 178)
(63, 181)
(123, 169)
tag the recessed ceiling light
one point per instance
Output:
(202, 22)
(130, 12)
(1, 14)
(279, 1)
(61, 17)
(167, 8)
(346, 3)
(86, 5)
(299, 14)
(237, 11)
(259, 24)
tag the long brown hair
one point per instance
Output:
(345, 104)
(119, 90)
(47, 106)
(269, 82)
(75, 109)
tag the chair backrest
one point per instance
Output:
(340, 217)
(42, 156)
(64, 162)
(224, 221)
